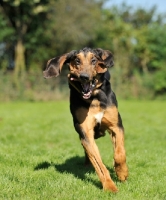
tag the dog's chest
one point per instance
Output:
(96, 110)
(99, 116)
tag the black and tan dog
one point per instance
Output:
(93, 106)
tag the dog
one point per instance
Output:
(94, 107)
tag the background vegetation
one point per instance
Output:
(41, 156)
(31, 32)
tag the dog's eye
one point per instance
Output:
(77, 61)
(93, 61)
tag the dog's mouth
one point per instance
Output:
(85, 88)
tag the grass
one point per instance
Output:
(41, 156)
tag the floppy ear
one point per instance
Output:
(54, 65)
(105, 56)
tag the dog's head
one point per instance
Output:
(86, 67)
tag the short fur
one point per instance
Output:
(93, 106)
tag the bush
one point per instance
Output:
(33, 87)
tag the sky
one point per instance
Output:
(161, 4)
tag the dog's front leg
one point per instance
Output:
(91, 149)
(113, 121)
(119, 153)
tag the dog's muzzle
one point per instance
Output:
(87, 89)
(87, 86)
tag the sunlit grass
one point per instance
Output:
(41, 156)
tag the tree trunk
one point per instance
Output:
(19, 69)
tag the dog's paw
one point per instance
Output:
(121, 171)
(110, 186)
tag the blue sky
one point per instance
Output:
(161, 4)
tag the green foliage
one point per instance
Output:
(137, 39)
(6, 31)
(41, 156)
(73, 24)
(25, 19)
(160, 81)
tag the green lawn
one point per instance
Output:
(41, 156)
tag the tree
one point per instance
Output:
(73, 24)
(137, 39)
(22, 16)
(61, 25)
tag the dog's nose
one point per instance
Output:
(84, 77)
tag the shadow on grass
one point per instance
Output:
(75, 166)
